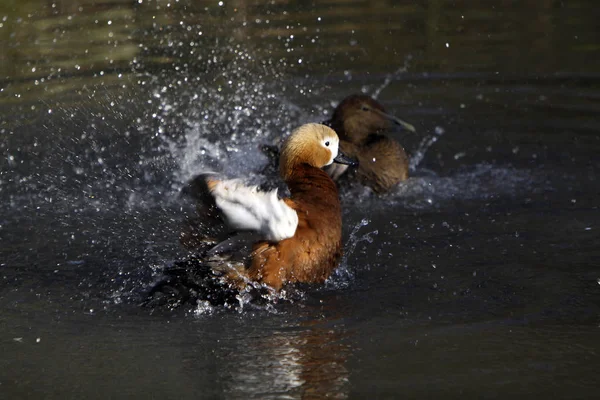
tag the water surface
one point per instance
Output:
(478, 277)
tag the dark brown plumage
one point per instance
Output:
(364, 129)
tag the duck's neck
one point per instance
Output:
(310, 183)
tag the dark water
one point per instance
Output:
(478, 277)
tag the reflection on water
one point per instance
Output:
(308, 361)
(478, 272)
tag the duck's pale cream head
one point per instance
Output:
(312, 144)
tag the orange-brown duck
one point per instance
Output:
(283, 241)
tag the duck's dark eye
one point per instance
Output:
(327, 143)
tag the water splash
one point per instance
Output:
(213, 111)
(267, 301)
(204, 308)
(418, 154)
(225, 135)
(343, 274)
(354, 239)
(481, 182)
(390, 77)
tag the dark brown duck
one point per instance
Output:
(364, 129)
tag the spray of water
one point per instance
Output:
(344, 274)
(247, 300)
(418, 154)
(217, 122)
(393, 76)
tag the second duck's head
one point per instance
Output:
(358, 116)
(314, 144)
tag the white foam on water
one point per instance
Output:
(427, 190)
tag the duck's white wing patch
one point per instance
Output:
(247, 208)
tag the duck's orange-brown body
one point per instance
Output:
(363, 127)
(241, 235)
(315, 250)
(301, 235)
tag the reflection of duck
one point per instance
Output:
(300, 361)
(363, 127)
(296, 239)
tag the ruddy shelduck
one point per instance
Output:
(364, 130)
(293, 239)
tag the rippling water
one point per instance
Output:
(477, 277)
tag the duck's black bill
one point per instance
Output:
(343, 159)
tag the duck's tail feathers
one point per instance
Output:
(188, 282)
(214, 281)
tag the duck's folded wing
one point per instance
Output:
(247, 208)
